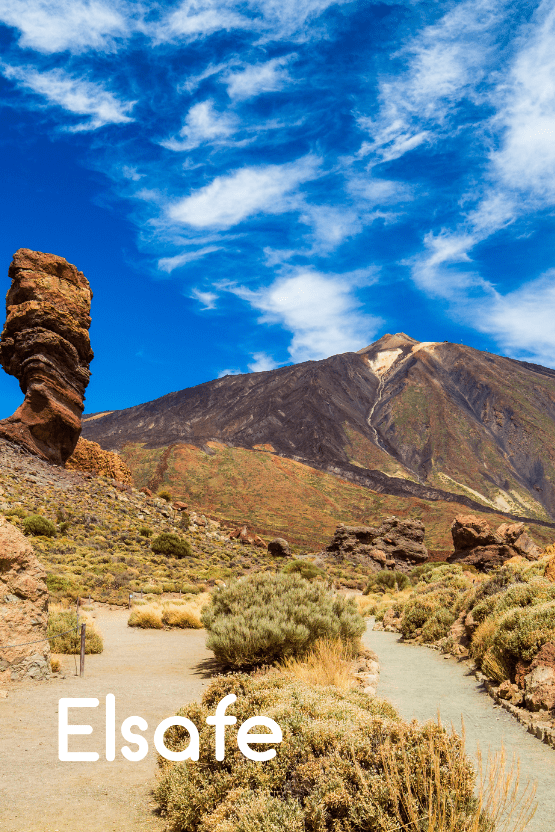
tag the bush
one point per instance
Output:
(60, 620)
(346, 762)
(144, 531)
(148, 618)
(17, 512)
(305, 569)
(170, 544)
(64, 527)
(186, 619)
(165, 495)
(387, 579)
(37, 525)
(268, 617)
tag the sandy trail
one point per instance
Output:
(419, 681)
(152, 674)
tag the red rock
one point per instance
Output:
(23, 608)
(45, 345)
(179, 506)
(146, 491)
(477, 545)
(539, 682)
(90, 457)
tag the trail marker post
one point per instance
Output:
(82, 652)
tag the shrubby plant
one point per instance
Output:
(171, 544)
(346, 762)
(268, 617)
(36, 524)
(387, 579)
(305, 569)
(60, 620)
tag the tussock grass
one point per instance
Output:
(60, 619)
(182, 613)
(328, 663)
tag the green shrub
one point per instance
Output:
(346, 763)
(191, 589)
(63, 527)
(60, 584)
(61, 620)
(185, 520)
(17, 512)
(170, 544)
(165, 495)
(387, 579)
(268, 617)
(522, 632)
(144, 531)
(37, 525)
(438, 625)
(305, 569)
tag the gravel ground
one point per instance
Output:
(152, 674)
(419, 682)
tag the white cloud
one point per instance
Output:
(74, 95)
(331, 225)
(203, 124)
(433, 271)
(258, 78)
(59, 25)
(228, 200)
(526, 113)
(168, 264)
(521, 321)
(273, 19)
(261, 363)
(229, 372)
(208, 299)
(445, 62)
(321, 311)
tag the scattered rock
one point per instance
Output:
(23, 608)
(510, 692)
(247, 538)
(476, 544)
(146, 491)
(279, 548)
(539, 682)
(178, 506)
(45, 345)
(396, 544)
(90, 457)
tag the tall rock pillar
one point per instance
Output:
(45, 345)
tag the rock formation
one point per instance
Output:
(476, 544)
(23, 608)
(279, 547)
(45, 345)
(247, 537)
(539, 680)
(396, 544)
(89, 456)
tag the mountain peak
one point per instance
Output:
(389, 342)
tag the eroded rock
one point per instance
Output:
(247, 537)
(279, 547)
(45, 345)
(23, 608)
(396, 544)
(539, 682)
(476, 544)
(89, 456)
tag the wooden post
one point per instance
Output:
(82, 656)
(129, 601)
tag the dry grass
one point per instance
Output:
(507, 806)
(328, 663)
(63, 619)
(181, 613)
(376, 603)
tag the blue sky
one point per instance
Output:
(250, 184)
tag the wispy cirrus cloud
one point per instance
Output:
(74, 95)
(256, 79)
(230, 199)
(203, 124)
(51, 26)
(169, 264)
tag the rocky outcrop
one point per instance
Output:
(279, 548)
(23, 608)
(476, 544)
(396, 544)
(90, 457)
(247, 537)
(539, 681)
(45, 345)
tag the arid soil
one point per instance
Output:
(151, 674)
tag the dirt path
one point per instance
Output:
(152, 674)
(419, 681)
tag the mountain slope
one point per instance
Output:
(431, 420)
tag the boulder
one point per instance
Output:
(45, 345)
(23, 608)
(90, 457)
(396, 544)
(476, 544)
(279, 547)
(539, 682)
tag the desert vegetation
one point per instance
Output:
(267, 617)
(61, 620)
(182, 613)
